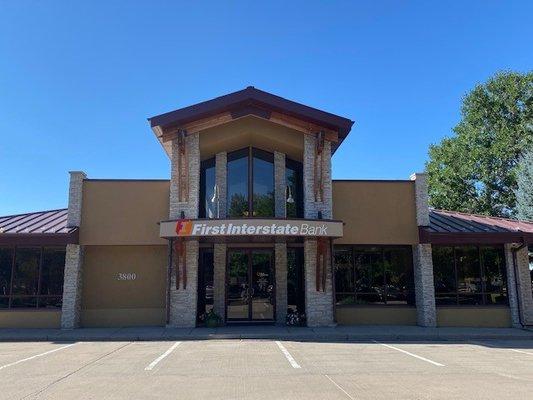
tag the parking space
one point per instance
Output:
(266, 369)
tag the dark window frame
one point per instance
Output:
(481, 268)
(204, 165)
(381, 250)
(297, 167)
(38, 296)
(250, 153)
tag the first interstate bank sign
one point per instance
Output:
(250, 227)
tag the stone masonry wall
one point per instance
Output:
(280, 185)
(519, 281)
(424, 285)
(219, 279)
(280, 250)
(183, 301)
(71, 308)
(312, 207)
(221, 163)
(318, 305)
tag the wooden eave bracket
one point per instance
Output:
(170, 133)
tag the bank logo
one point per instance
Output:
(184, 227)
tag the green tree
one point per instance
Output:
(524, 193)
(475, 169)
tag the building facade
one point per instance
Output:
(250, 227)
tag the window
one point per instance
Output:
(294, 195)
(250, 180)
(31, 277)
(374, 275)
(208, 191)
(469, 275)
(295, 279)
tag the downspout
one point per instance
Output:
(517, 293)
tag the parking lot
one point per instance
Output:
(266, 369)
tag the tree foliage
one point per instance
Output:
(475, 169)
(524, 193)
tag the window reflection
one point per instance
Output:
(237, 181)
(31, 277)
(374, 275)
(469, 275)
(294, 195)
(263, 184)
(208, 190)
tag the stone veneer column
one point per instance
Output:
(312, 207)
(219, 279)
(426, 313)
(318, 305)
(280, 185)
(183, 301)
(71, 308)
(221, 162)
(280, 250)
(521, 306)
(422, 259)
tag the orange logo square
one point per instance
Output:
(184, 227)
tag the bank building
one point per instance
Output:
(251, 227)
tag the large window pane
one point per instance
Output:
(399, 276)
(369, 276)
(294, 196)
(237, 181)
(444, 276)
(468, 275)
(6, 260)
(263, 184)
(52, 271)
(209, 200)
(494, 276)
(295, 279)
(26, 276)
(344, 271)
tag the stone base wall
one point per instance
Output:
(183, 303)
(70, 315)
(219, 279)
(424, 286)
(318, 305)
(280, 251)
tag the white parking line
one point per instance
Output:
(336, 384)
(410, 354)
(287, 355)
(166, 353)
(521, 351)
(36, 356)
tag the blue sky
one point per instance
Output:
(77, 81)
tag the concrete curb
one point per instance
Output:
(341, 334)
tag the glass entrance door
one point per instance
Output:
(250, 285)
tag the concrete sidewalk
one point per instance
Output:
(339, 333)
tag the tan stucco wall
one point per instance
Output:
(251, 131)
(30, 319)
(360, 315)
(108, 301)
(123, 212)
(484, 317)
(376, 212)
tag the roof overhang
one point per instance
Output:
(463, 238)
(39, 239)
(249, 101)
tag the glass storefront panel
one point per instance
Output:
(209, 200)
(237, 182)
(26, 274)
(263, 184)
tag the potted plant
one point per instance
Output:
(212, 319)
